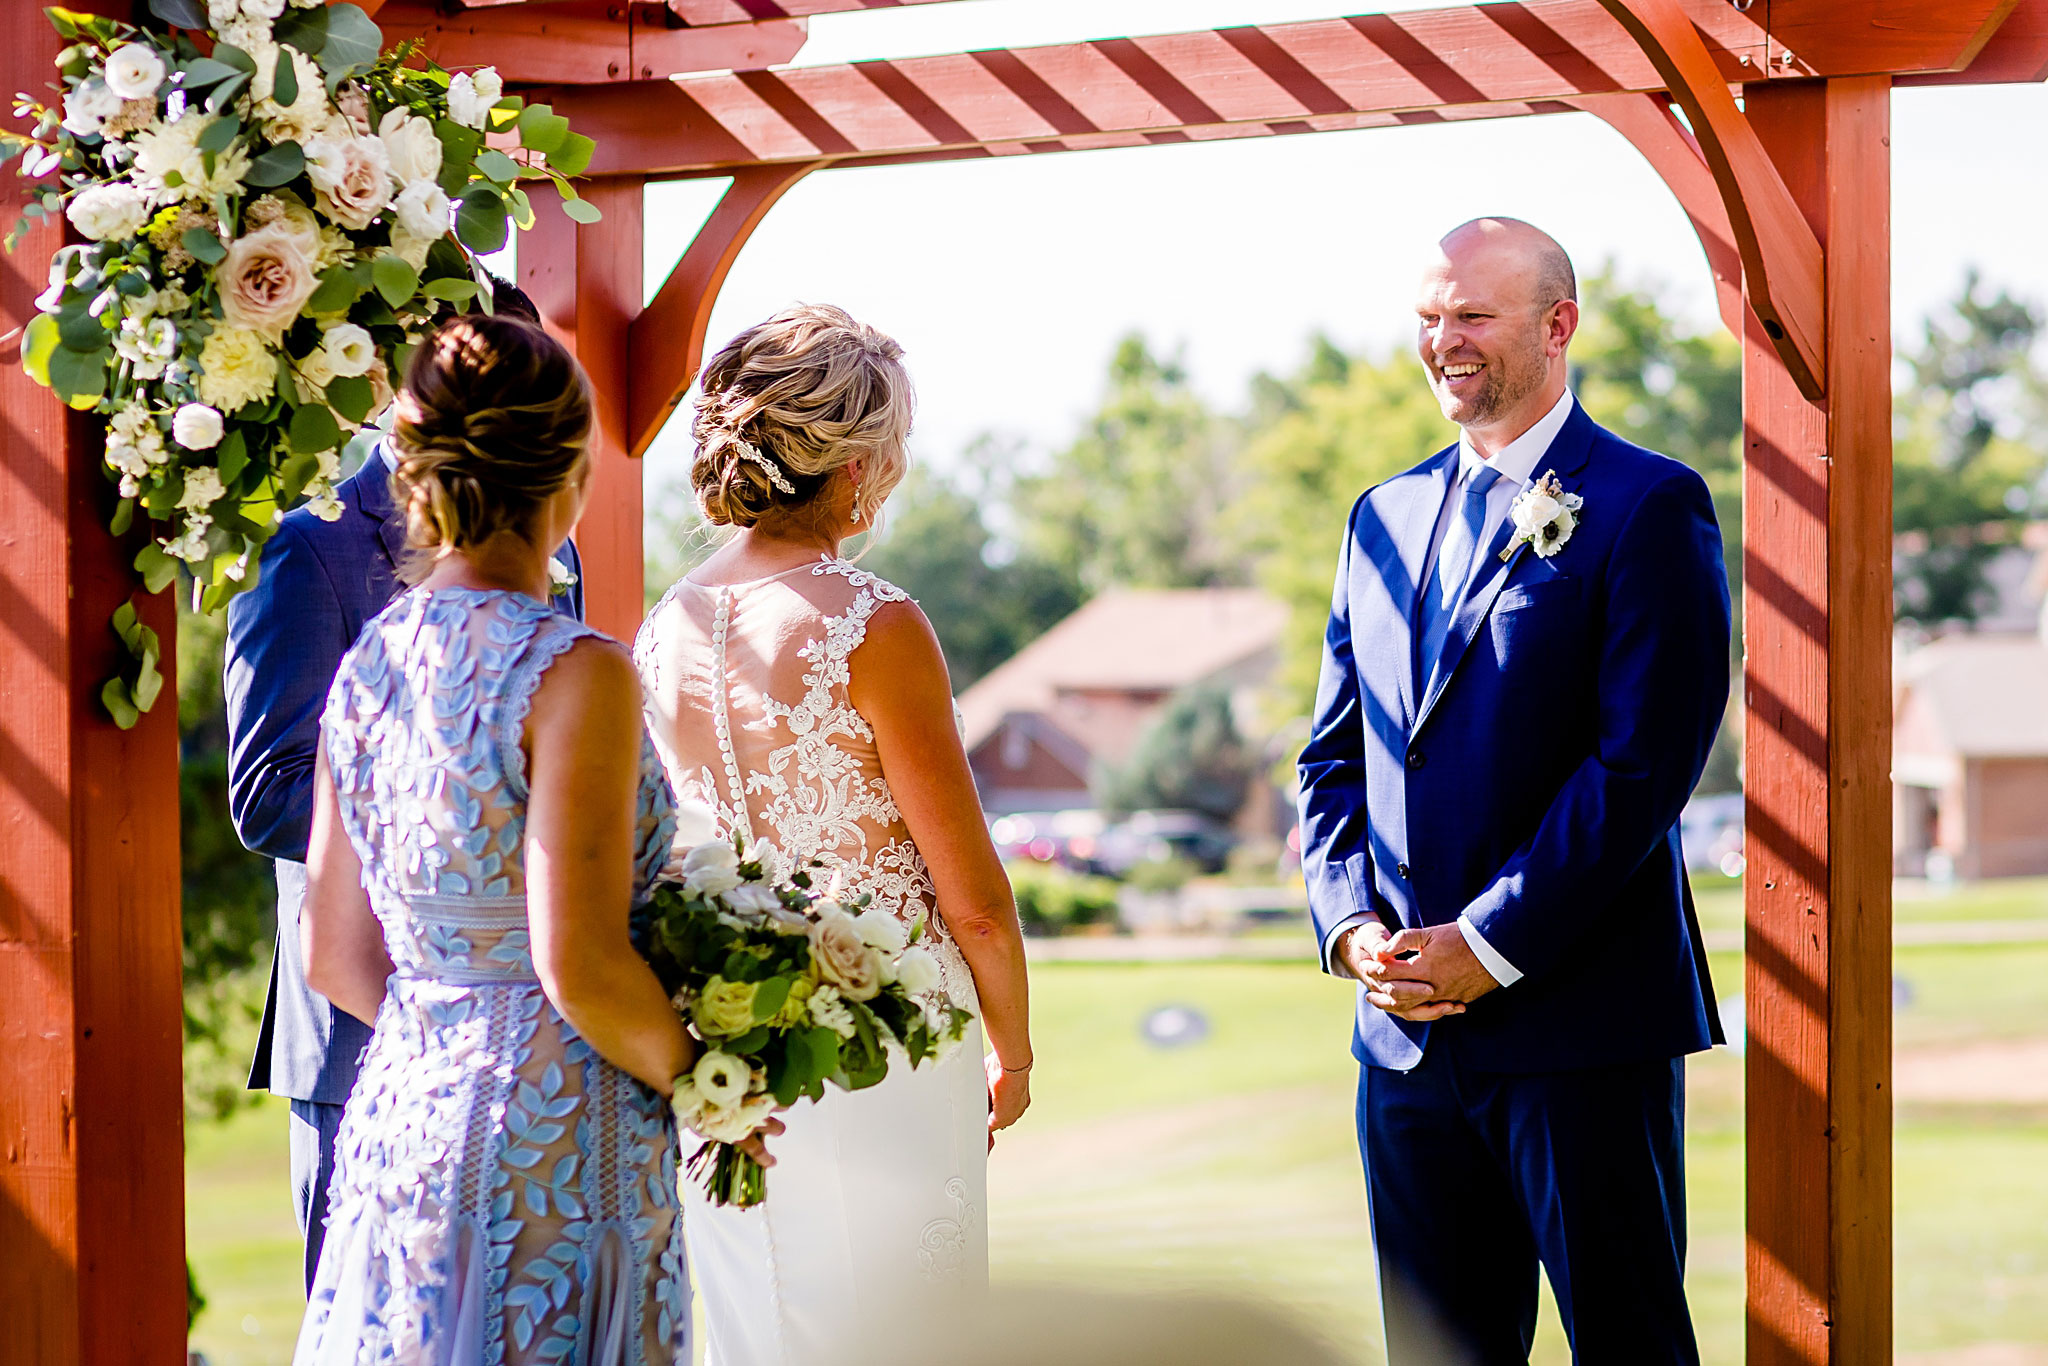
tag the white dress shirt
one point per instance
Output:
(1516, 463)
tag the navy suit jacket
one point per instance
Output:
(1534, 779)
(318, 584)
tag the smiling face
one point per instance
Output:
(1492, 329)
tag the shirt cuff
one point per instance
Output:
(1503, 972)
(1330, 940)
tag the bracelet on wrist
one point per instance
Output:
(1025, 1068)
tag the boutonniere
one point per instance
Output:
(1544, 516)
(560, 580)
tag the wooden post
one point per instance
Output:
(92, 1228)
(1817, 595)
(586, 280)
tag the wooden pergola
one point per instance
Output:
(1768, 120)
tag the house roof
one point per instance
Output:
(1127, 640)
(1985, 693)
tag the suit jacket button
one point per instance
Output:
(1401, 870)
(1416, 759)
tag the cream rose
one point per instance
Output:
(722, 1080)
(918, 972)
(471, 95)
(134, 71)
(352, 177)
(724, 1007)
(731, 1124)
(107, 211)
(843, 959)
(266, 279)
(350, 350)
(236, 366)
(711, 869)
(881, 931)
(197, 427)
(422, 210)
(410, 146)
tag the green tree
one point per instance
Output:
(1191, 757)
(1968, 449)
(1136, 499)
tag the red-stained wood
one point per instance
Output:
(1647, 122)
(748, 11)
(667, 341)
(2017, 52)
(1817, 594)
(587, 41)
(1781, 259)
(1814, 36)
(586, 281)
(92, 1229)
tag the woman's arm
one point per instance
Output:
(900, 685)
(340, 939)
(583, 737)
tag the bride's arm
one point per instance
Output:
(899, 683)
(583, 736)
(340, 940)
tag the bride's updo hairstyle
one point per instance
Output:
(788, 403)
(493, 420)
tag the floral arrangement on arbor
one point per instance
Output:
(272, 213)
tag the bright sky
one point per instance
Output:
(1008, 282)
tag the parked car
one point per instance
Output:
(1065, 837)
(1157, 836)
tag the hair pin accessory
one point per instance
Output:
(749, 451)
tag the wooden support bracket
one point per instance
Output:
(1781, 257)
(666, 341)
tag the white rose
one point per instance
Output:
(409, 142)
(134, 71)
(202, 489)
(881, 931)
(829, 1011)
(197, 426)
(753, 898)
(101, 212)
(352, 177)
(843, 960)
(88, 106)
(711, 869)
(1535, 511)
(471, 95)
(422, 211)
(721, 1079)
(918, 972)
(349, 349)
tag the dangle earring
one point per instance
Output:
(856, 504)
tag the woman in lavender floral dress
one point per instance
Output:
(489, 811)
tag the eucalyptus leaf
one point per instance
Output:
(285, 82)
(181, 13)
(292, 477)
(149, 681)
(114, 697)
(157, 568)
(304, 29)
(220, 133)
(78, 330)
(573, 156)
(202, 72)
(460, 149)
(234, 57)
(541, 129)
(353, 40)
(338, 288)
(481, 221)
(124, 622)
(450, 290)
(582, 210)
(395, 279)
(124, 517)
(499, 167)
(204, 245)
(313, 430)
(233, 456)
(38, 342)
(279, 165)
(78, 375)
(351, 396)
(224, 93)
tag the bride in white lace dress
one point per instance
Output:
(806, 703)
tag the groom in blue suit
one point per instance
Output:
(1525, 666)
(319, 583)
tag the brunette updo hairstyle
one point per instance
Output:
(810, 390)
(493, 420)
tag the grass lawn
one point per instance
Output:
(1228, 1165)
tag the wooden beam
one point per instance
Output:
(586, 281)
(587, 41)
(700, 12)
(1648, 123)
(1817, 597)
(2016, 53)
(1811, 37)
(92, 1228)
(1781, 259)
(666, 345)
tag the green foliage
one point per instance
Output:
(1051, 900)
(1192, 757)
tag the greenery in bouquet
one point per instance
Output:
(273, 211)
(789, 989)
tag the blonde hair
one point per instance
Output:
(789, 402)
(494, 419)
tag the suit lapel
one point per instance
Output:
(1567, 458)
(373, 499)
(1412, 513)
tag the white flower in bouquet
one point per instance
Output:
(917, 971)
(752, 898)
(722, 1080)
(101, 212)
(147, 344)
(203, 489)
(169, 165)
(191, 545)
(881, 931)
(828, 1011)
(87, 107)
(724, 1007)
(308, 115)
(471, 95)
(732, 1124)
(196, 426)
(352, 177)
(412, 248)
(349, 349)
(410, 146)
(134, 71)
(422, 209)
(236, 367)
(322, 503)
(843, 957)
(265, 280)
(711, 869)
(354, 104)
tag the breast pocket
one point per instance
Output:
(1534, 621)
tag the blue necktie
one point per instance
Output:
(1453, 567)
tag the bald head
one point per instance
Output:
(1497, 309)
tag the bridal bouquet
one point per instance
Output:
(789, 989)
(271, 210)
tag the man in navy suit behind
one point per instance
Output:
(1525, 666)
(318, 584)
